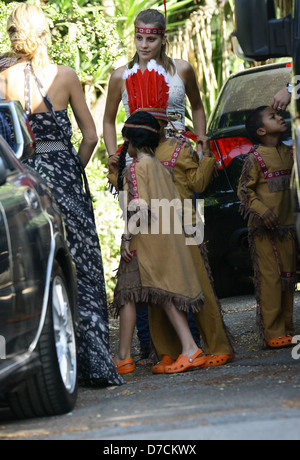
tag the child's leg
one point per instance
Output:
(287, 254)
(288, 312)
(191, 356)
(127, 326)
(194, 328)
(179, 322)
(209, 320)
(143, 331)
(269, 290)
(164, 337)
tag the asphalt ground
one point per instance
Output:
(257, 396)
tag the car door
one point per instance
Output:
(6, 289)
(23, 239)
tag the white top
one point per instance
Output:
(176, 104)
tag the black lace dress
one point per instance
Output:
(59, 165)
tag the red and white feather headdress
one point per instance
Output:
(148, 91)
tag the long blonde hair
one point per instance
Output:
(152, 16)
(28, 29)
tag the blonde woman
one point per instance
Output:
(45, 90)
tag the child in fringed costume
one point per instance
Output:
(156, 268)
(265, 196)
(189, 175)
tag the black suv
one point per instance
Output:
(226, 231)
(38, 296)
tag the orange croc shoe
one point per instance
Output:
(160, 367)
(125, 367)
(216, 360)
(184, 363)
(281, 342)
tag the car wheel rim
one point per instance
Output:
(64, 334)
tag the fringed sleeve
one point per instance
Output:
(113, 179)
(251, 206)
(199, 173)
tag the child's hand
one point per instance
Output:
(270, 219)
(125, 251)
(203, 146)
(113, 163)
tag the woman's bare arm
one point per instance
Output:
(113, 100)
(83, 117)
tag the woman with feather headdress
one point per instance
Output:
(151, 43)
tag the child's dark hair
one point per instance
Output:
(142, 130)
(122, 165)
(254, 122)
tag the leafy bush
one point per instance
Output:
(109, 222)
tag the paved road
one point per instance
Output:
(255, 397)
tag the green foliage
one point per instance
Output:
(5, 10)
(109, 222)
(82, 38)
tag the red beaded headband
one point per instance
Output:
(149, 31)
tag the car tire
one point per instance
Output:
(53, 389)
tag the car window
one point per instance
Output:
(8, 159)
(245, 92)
(219, 184)
(6, 128)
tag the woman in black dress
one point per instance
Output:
(45, 90)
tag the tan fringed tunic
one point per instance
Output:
(264, 185)
(162, 269)
(191, 175)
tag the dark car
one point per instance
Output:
(226, 231)
(38, 297)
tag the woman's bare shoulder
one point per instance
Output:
(185, 70)
(182, 65)
(12, 69)
(117, 74)
(65, 71)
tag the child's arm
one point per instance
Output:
(250, 203)
(126, 254)
(113, 179)
(199, 173)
